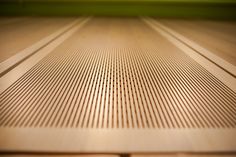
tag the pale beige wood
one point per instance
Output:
(23, 67)
(220, 68)
(16, 36)
(217, 36)
(16, 59)
(174, 103)
(116, 140)
(185, 155)
(59, 155)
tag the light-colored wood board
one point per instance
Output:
(116, 140)
(217, 36)
(220, 68)
(115, 86)
(185, 155)
(17, 36)
(58, 155)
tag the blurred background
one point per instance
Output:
(214, 9)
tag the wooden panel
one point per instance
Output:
(217, 36)
(185, 155)
(97, 81)
(117, 86)
(58, 155)
(20, 34)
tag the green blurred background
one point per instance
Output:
(214, 9)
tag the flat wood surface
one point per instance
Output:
(184, 155)
(217, 36)
(20, 33)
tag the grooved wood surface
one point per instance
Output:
(118, 73)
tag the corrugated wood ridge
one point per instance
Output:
(117, 88)
(118, 73)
